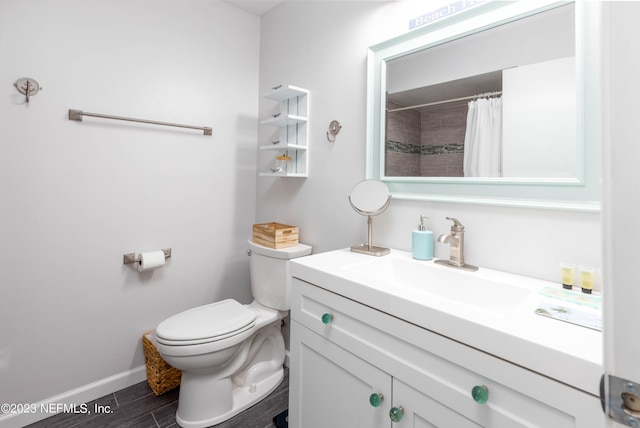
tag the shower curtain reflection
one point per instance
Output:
(483, 138)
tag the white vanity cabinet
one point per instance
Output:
(342, 352)
(334, 385)
(291, 135)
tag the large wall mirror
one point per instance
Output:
(495, 105)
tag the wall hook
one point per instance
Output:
(334, 128)
(27, 86)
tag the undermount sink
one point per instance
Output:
(471, 289)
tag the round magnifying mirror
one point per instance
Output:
(370, 197)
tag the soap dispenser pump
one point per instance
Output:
(422, 241)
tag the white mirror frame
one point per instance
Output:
(581, 193)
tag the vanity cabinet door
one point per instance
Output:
(422, 411)
(331, 387)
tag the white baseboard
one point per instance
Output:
(81, 395)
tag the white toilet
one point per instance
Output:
(231, 355)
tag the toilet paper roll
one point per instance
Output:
(151, 260)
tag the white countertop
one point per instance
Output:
(560, 350)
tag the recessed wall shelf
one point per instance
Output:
(292, 138)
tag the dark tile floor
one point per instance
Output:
(138, 407)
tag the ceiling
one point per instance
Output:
(260, 7)
(257, 7)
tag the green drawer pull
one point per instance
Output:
(396, 413)
(327, 318)
(376, 399)
(480, 394)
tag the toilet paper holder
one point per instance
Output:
(131, 257)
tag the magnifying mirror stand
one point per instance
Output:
(369, 248)
(370, 198)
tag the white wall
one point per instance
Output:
(77, 196)
(323, 48)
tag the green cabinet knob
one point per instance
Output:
(376, 399)
(327, 318)
(396, 413)
(480, 394)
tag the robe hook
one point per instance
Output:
(27, 86)
(334, 128)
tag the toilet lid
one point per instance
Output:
(207, 323)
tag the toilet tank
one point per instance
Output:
(270, 278)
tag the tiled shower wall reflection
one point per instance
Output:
(428, 143)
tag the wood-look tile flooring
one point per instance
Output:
(137, 407)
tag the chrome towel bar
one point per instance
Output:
(77, 115)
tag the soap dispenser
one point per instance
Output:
(422, 241)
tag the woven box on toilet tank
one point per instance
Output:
(275, 235)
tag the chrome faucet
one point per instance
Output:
(456, 240)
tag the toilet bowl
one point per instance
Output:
(231, 355)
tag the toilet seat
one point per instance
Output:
(204, 324)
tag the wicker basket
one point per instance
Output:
(161, 376)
